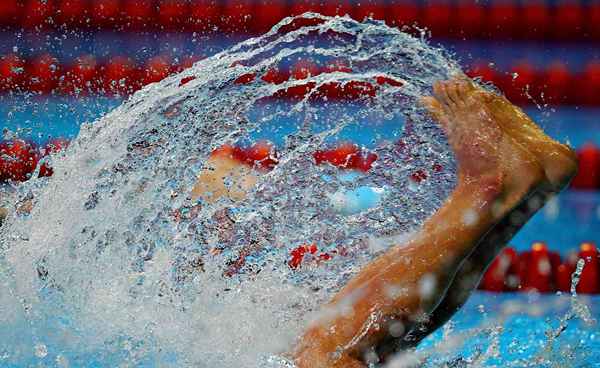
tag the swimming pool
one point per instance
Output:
(513, 327)
(45, 336)
(571, 219)
(495, 330)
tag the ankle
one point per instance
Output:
(491, 181)
(486, 187)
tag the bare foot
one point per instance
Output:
(481, 144)
(558, 163)
(558, 160)
(492, 167)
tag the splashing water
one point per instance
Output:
(116, 260)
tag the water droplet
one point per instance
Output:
(40, 351)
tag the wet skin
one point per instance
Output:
(504, 161)
(506, 166)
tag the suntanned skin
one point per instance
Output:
(504, 160)
(559, 163)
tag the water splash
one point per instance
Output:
(577, 309)
(515, 334)
(115, 259)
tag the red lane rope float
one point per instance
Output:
(173, 14)
(81, 77)
(119, 75)
(498, 19)
(588, 175)
(592, 26)
(347, 156)
(9, 12)
(520, 83)
(73, 13)
(19, 158)
(105, 12)
(571, 18)
(469, 18)
(37, 14)
(45, 74)
(12, 69)
(263, 154)
(555, 81)
(588, 84)
(542, 270)
(590, 277)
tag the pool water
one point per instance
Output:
(491, 330)
(511, 330)
(112, 287)
(521, 340)
(572, 218)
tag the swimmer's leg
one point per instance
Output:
(406, 285)
(559, 163)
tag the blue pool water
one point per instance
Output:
(521, 340)
(572, 218)
(491, 330)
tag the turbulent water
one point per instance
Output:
(115, 262)
(114, 249)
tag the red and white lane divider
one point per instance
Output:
(564, 20)
(588, 174)
(542, 270)
(86, 75)
(19, 158)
